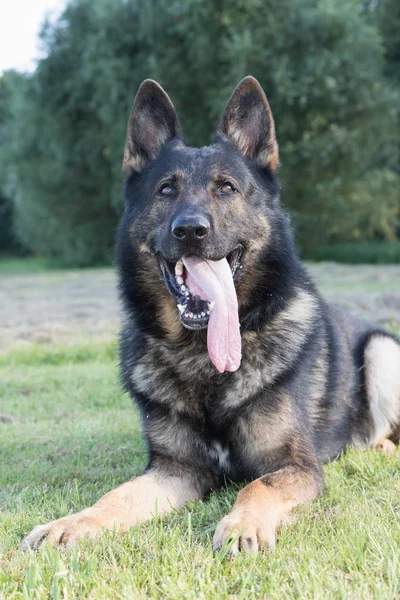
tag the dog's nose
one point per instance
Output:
(190, 227)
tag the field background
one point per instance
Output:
(331, 71)
(68, 435)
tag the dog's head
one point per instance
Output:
(187, 204)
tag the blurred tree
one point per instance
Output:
(63, 170)
(388, 19)
(9, 242)
(387, 13)
(321, 63)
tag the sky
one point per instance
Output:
(20, 23)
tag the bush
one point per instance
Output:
(377, 253)
(9, 243)
(321, 64)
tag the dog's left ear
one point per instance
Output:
(249, 124)
(152, 124)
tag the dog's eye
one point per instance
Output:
(227, 188)
(166, 190)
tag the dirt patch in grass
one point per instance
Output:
(370, 291)
(64, 306)
(58, 307)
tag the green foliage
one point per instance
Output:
(377, 253)
(323, 65)
(388, 15)
(8, 240)
(388, 19)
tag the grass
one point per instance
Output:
(9, 265)
(71, 436)
(35, 264)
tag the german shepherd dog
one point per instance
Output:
(240, 369)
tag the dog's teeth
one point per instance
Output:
(211, 306)
(207, 312)
(183, 287)
(179, 279)
(181, 308)
(190, 315)
(187, 293)
(203, 314)
(179, 268)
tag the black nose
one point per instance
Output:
(190, 227)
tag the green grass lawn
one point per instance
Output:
(68, 435)
(10, 265)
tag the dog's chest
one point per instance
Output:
(186, 381)
(218, 454)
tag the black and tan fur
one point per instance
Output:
(312, 380)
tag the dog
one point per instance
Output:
(240, 369)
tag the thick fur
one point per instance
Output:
(312, 379)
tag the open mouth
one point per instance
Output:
(194, 310)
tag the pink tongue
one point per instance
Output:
(212, 280)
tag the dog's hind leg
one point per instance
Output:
(386, 446)
(382, 384)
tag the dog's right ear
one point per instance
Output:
(153, 123)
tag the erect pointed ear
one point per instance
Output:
(249, 124)
(153, 122)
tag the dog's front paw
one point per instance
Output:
(244, 531)
(65, 531)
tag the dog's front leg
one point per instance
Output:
(261, 506)
(157, 492)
